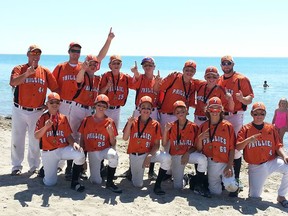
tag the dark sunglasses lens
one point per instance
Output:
(75, 51)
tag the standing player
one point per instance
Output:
(176, 86)
(115, 85)
(208, 90)
(30, 82)
(57, 144)
(182, 136)
(264, 153)
(98, 138)
(143, 84)
(240, 88)
(144, 143)
(216, 140)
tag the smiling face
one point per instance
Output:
(53, 106)
(227, 67)
(74, 54)
(181, 112)
(258, 116)
(188, 73)
(34, 57)
(145, 109)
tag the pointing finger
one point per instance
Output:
(135, 64)
(158, 73)
(110, 30)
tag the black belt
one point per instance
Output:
(49, 150)
(26, 108)
(138, 108)
(169, 113)
(230, 113)
(65, 101)
(202, 118)
(82, 106)
(263, 162)
(138, 154)
(114, 107)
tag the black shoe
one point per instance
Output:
(234, 194)
(83, 175)
(104, 171)
(159, 191)
(16, 172)
(77, 187)
(41, 173)
(167, 177)
(186, 179)
(198, 189)
(152, 175)
(113, 187)
(59, 170)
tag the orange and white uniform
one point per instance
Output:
(97, 144)
(216, 148)
(181, 141)
(175, 89)
(65, 74)
(144, 87)
(142, 139)
(55, 147)
(117, 93)
(29, 98)
(262, 158)
(203, 95)
(83, 102)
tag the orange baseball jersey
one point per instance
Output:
(117, 93)
(149, 136)
(56, 136)
(235, 83)
(144, 87)
(182, 141)
(96, 137)
(88, 90)
(223, 140)
(32, 92)
(264, 148)
(65, 75)
(204, 94)
(175, 89)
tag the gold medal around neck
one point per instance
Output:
(177, 148)
(115, 97)
(54, 141)
(91, 95)
(210, 147)
(139, 142)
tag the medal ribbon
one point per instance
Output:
(178, 131)
(138, 124)
(115, 86)
(186, 93)
(210, 92)
(213, 134)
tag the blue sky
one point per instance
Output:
(150, 27)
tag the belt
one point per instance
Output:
(202, 118)
(153, 109)
(26, 108)
(66, 101)
(82, 106)
(169, 113)
(263, 162)
(113, 107)
(230, 113)
(49, 150)
(138, 154)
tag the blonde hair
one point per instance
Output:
(285, 100)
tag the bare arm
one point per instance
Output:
(106, 46)
(127, 129)
(242, 145)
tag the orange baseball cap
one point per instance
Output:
(148, 59)
(34, 47)
(115, 58)
(102, 98)
(53, 96)
(214, 101)
(227, 58)
(90, 58)
(179, 103)
(74, 44)
(145, 99)
(211, 70)
(190, 63)
(257, 106)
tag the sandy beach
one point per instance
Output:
(26, 194)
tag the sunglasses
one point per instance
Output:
(211, 77)
(102, 106)
(259, 114)
(54, 102)
(93, 64)
(213, 110)
(226, 63)
(75, 51)
(116, 63)
(148, 65)
(146, 108)
(34, 53)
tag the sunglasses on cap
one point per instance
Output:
(214, 110)
(259, 114)
(35, 53)
(75, 51)
(226, 63)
